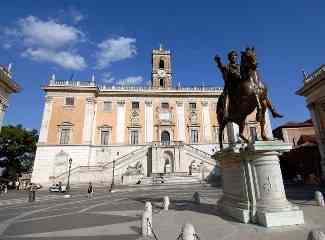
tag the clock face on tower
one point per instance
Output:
(161, 72)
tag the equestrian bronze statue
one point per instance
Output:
(243, 92)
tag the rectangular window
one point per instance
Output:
(135, 105)
(64, 136)
(104, 137)
(69, 101)
(192, 106)
(107, 106)
(194, 135)
(165, 105)
(134, 138)
(253, 133)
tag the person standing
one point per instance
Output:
(90, 190)
(17, 184)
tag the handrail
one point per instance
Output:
(118, 160)
(72, 169)
(199, 150)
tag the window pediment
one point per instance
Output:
(65, 124)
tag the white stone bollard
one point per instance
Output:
(148, 207)
(146, 223)
(196, 198)
(188, 232)
(316, 235)
(166, 202)
(319, 199)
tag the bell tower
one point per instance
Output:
(161, 75)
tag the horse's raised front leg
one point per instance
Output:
(241, 131)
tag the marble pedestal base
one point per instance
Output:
(253, 186)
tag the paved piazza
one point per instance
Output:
(117, 215)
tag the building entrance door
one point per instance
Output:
(165, 138)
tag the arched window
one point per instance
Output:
(161, 64)
(165, 138)
(161, 82)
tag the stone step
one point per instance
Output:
(170, 180)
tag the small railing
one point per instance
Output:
(146, 88)
(72, 83)
(103, 87)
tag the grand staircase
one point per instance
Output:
(120, 165)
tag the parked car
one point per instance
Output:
(56, 188)
(36, 185)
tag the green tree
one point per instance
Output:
(17, 149)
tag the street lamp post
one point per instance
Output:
(112, 185)
(68, 185)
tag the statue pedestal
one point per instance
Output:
(253, 186)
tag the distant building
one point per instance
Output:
(290, 132)
(313, 90)
(146, 131)
(7, 86)
(303, 159)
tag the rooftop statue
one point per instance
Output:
(243, 92)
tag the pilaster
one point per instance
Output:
(180, 121)
(206, 122)
(88, 121)
(120, 120)
(148, 122)
(47, 113)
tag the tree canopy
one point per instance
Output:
(17, 150)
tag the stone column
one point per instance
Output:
(47, 112)
(120, 120)
(253, 186)
(314, 111)
(148, 122)
(206, 122)
(272, 206)
(88, 121)
(180, 121)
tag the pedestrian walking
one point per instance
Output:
(17, 185)
(90, 190)
(5, 189)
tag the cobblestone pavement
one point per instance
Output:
(117, 215)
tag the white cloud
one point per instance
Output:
(132, 80)
(6, 45)
(48, 34)
(115, 49)
(46, 41)
(62, 58)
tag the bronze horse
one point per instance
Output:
(247, 95)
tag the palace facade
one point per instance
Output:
(134, 131)
(313, 90)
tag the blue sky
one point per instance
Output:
(114, 39)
